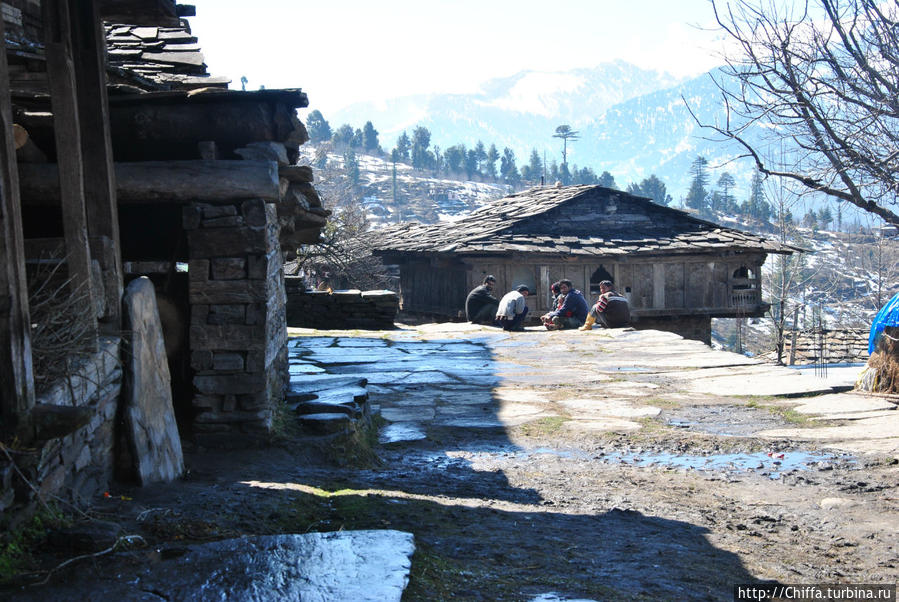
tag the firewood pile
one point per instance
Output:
(837, 346)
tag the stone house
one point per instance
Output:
(677, 271)
(120, 157)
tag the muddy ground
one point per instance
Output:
(550, 466)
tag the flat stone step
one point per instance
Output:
(328, 422)
(314, 407)
(313, 383)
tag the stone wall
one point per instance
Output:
(846, 345)
(67, 440)
(372, 310)
(696, 328)
(238, 329)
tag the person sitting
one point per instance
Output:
(571, 313)
(513, 309)
(611, 309)
(558, 297)
(558, 300)
(480, 305)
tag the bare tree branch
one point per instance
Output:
(825, 77)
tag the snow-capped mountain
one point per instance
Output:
(632, 122)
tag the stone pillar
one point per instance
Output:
(238, 331)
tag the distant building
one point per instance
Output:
(677, 271)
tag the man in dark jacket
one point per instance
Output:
(573, 311)
(611, 309)
(480, 305)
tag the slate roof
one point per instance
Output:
(158, 58)
(524, 222)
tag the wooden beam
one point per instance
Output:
(66, 121)
(166, 182)
(89, 45)
(17, 381)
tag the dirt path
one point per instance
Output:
(566, 465)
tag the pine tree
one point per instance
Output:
(564, 174)
(758, 207)
(726, 183)
(653, 188)
(565, 133)
(535, 166)
(403, 145)
(481, 154)
(471, 163)
(351, 166)
(454, 157)
(421, 140)
(825, 217)
(370, 142)
(343, 136)
(608, 180)
(357, 139)
(318, 127)
(698, 194)
(507, 170)
(554, 175)
(490, 162)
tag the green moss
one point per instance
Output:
(16, 547)
(786, 414)
(549, 425)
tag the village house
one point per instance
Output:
(137, 196)
(677, 271)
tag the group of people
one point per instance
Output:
(570, 308)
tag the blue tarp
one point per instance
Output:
(887, 316)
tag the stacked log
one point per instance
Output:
(369, 310)
(836, 346)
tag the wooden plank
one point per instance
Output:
(658, 288)
(98, 172)
(167, 182)
(63, 100)
(17, 383)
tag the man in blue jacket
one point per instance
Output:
(573, 311)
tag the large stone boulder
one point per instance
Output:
(152, 446)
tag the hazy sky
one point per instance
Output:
(344, 51)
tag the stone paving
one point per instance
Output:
(468, 376)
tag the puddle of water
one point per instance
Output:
(724, 420)
(401, 431)
(631, 369)
(775, 463)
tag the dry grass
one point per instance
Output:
(884, 362)
(61, 331)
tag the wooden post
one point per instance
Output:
(89, 44)
(66, 125)
(16, 376)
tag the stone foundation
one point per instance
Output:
(370, 310)
(238, 329)
(67, 440)
(695, 328)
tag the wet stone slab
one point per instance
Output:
(362, 343)
(408, 413)
(345, 565)
(402, 431)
